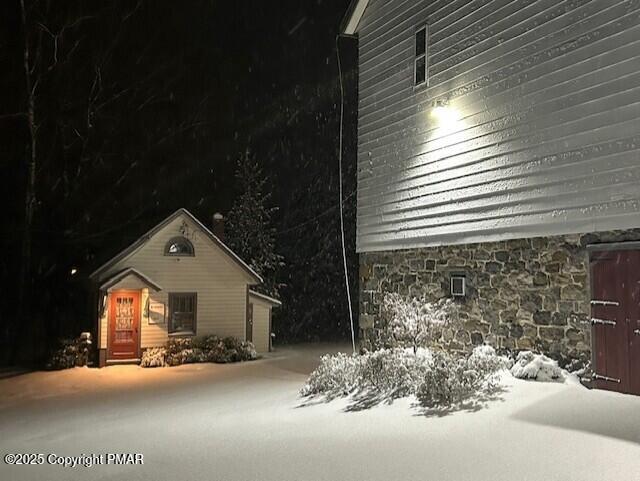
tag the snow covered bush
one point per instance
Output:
(486, 359)
(154, 357)
(453, 378)
(203, 349)
(337, 375)
(437, 378)
(186, 356)
(538, 367)
(413, 321)
(70, 353)
(389, 373)
(229, 349)
(581, 368)
(395, 373)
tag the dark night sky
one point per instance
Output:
(245, 64)
(203, 81)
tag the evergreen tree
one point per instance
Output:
(250, 232)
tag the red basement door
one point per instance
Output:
(615, 316)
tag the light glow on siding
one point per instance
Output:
(447, 118)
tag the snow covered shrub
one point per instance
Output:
(247, 351)
(389, 373)
(394, 373)
(177, 344)
(539, 367)
(154, 357)
(208, 349)
(455, 378)
(229, 349)
(337, 375)
(178, 350)
(485, 358)
(70, 353)
(206, 343)
(581, 368)
(437, 378)
(189, 356)
(414, 322)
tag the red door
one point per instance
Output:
(124, 325)
(615, 309)
(633, 331)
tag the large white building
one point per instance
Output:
(499, 154)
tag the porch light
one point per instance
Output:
(73, 271)
(446, 117)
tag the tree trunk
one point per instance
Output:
(24, 283)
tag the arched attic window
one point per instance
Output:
(179, 246)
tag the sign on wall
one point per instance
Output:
(156, 312)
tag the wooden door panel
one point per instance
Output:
(633, 314)
(249, 330)
(124, 325)
(608, 272)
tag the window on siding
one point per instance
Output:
(182, 312)
(179, 246)
(421, 63)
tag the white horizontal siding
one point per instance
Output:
(220, 284)
(548, 98)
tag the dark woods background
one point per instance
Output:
(142, 107)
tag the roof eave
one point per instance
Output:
(351, 20)
(119, 276)
(264, 297)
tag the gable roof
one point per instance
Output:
(351, 20)
(265, 298)
(142, 240)
(118, 276)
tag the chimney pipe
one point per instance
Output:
(218, 226)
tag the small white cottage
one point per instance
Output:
(178, 279)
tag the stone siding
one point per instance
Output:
(521, 294)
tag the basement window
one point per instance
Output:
(420, 62)
(458, 285)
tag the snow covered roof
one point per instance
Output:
(145, 237)
(265, 298)
(118, 276)
(353, 16)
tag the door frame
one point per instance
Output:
(112, 294)
(593, 250)
(248, 335)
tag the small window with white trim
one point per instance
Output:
(420, 62)
(458, 285)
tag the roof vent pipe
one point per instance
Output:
(218, 226)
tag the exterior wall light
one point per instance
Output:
(447, 117)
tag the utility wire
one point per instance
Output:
(344, 251)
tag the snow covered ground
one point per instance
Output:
(245, 422)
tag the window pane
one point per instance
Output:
(421, 70)
(183, 308)
(421, 42)
(179, 246)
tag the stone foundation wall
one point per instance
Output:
(521, 294)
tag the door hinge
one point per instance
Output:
(595, 320)
(596, 302)
(605, 378)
